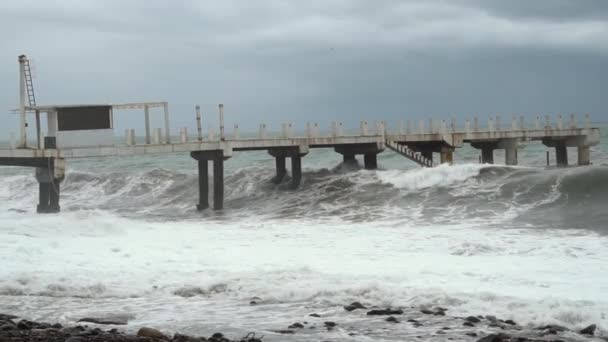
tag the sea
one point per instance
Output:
(527, 243)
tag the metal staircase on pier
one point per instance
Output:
(410, 154)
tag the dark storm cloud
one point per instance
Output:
(271, 60)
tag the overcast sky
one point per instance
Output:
(316, 60)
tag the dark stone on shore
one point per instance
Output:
(253, 302)
(427, 312)
(314, 315)
(439, 313)
(354, 306)
(590, 330)
(440, 332)
(296, 325)
(392, 319)
(472, 334)
(510, 322)
(495, 338)
(330, 325)
(106, 321)
(491, 318)
(151, 333)
(385, 312)
(472, 319)
(468, 324)
(412, 321)
(284, 332)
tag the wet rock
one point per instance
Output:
(439, 313)
(472, 334)
(314, 315)
(106, 321)
(4, 317)
(468, 324)
(354, 306)
(510, 322)
(386, 312)
(412, 321)
(590, 330)
(186, 338)
(440, 332)
(7, 327)
(427, 312)
(296, 325)
(330, 325)
(253, 302)
(24, 325)
(491, 318)
(151, 333)
(495, 338)
(392, 319)
(284, 332)
(472, 319)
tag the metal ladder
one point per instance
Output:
(29, 85)
(410, 154)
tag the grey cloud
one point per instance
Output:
(313, 60)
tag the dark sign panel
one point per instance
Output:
(84, 118)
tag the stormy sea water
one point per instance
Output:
(527, 243)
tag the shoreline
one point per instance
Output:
(430, 324)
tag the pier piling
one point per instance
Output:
(281, 170)
(584, 157)
(296, 170)
(561, 155)
(203, 184)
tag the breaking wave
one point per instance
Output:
(492, 195)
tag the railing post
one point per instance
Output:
(587, 121)
(167, 127)
(221, 110)
(147, 123)
(476, 124)
(236, 132)
(573, 121)
(199, 124)
(560, 123)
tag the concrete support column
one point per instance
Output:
(487, 155)
(218, 183)
(296, 170)
(54, 188)
(44, 190)
(203, 158)
(561, 155)
(584, 155)
(280, 169)
(511, 155)
(447, 157)
(349, 159)
(428, 154)
(203, 184)
(371, 161)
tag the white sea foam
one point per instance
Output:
(153, 269)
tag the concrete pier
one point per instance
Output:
(419, 147)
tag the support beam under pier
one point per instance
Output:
(487, 150)
(203, 184)
(296, 171)
(371, 161)
(281, 170)
(369, 152)
(218, 183)
(561, 155)
(203, 158)
(584, 155)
